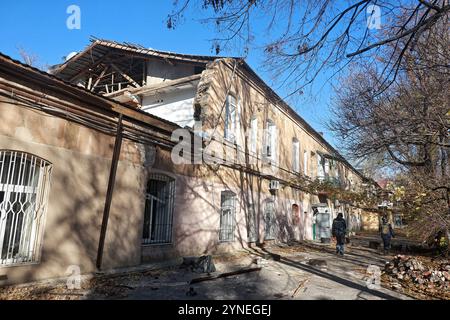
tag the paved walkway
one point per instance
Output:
(309, 271)
(304, 271)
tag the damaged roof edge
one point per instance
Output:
(136, 49)
(82, 94)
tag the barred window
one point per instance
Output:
(227, 216)
(158, 213)
(24, 182)
(270, 220)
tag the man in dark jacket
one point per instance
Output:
(386, 234)
(338, 231)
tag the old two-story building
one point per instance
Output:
(125, 154)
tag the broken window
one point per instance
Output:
(227, 216)
(159, 210)
(23, 199)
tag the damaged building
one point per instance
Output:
(92, 173)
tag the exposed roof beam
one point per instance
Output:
(99, 78)
(85, 70)
(165, 84)
(125, 75)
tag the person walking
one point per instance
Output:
(386, 234)
(338, 230)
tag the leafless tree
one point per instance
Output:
(407, 124)
(27, 57)
(302, 38)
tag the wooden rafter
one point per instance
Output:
(134, 83)
(99, 78)
(88, 68)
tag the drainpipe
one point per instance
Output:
(109, 192)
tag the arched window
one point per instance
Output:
(24, 180)
(158, 213)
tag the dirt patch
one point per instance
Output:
(98, 287)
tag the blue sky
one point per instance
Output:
(39, 27)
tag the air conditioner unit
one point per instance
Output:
(274, 185)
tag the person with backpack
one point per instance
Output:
(387, 233)
(338, 230)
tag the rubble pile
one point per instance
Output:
(422, 276)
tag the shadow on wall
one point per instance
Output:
(76, 199)
(198, 232)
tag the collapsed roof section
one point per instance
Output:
(111, 68)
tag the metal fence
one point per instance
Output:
(158, 215)
(24, 180)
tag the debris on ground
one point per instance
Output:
(98, 286)
(420, 277)
(300, 285)
(320, 263)
(224, 275)
(191, 292)
(203, 264)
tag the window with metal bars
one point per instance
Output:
(270, 219)
(24, 182)
(158, 213)
(227, 216)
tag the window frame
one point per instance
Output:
(26, 180)
(253, 135)
(163, 236)
(296, 155)
(270, 143)
(305, 162)
(232, 119)
(227, 226)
